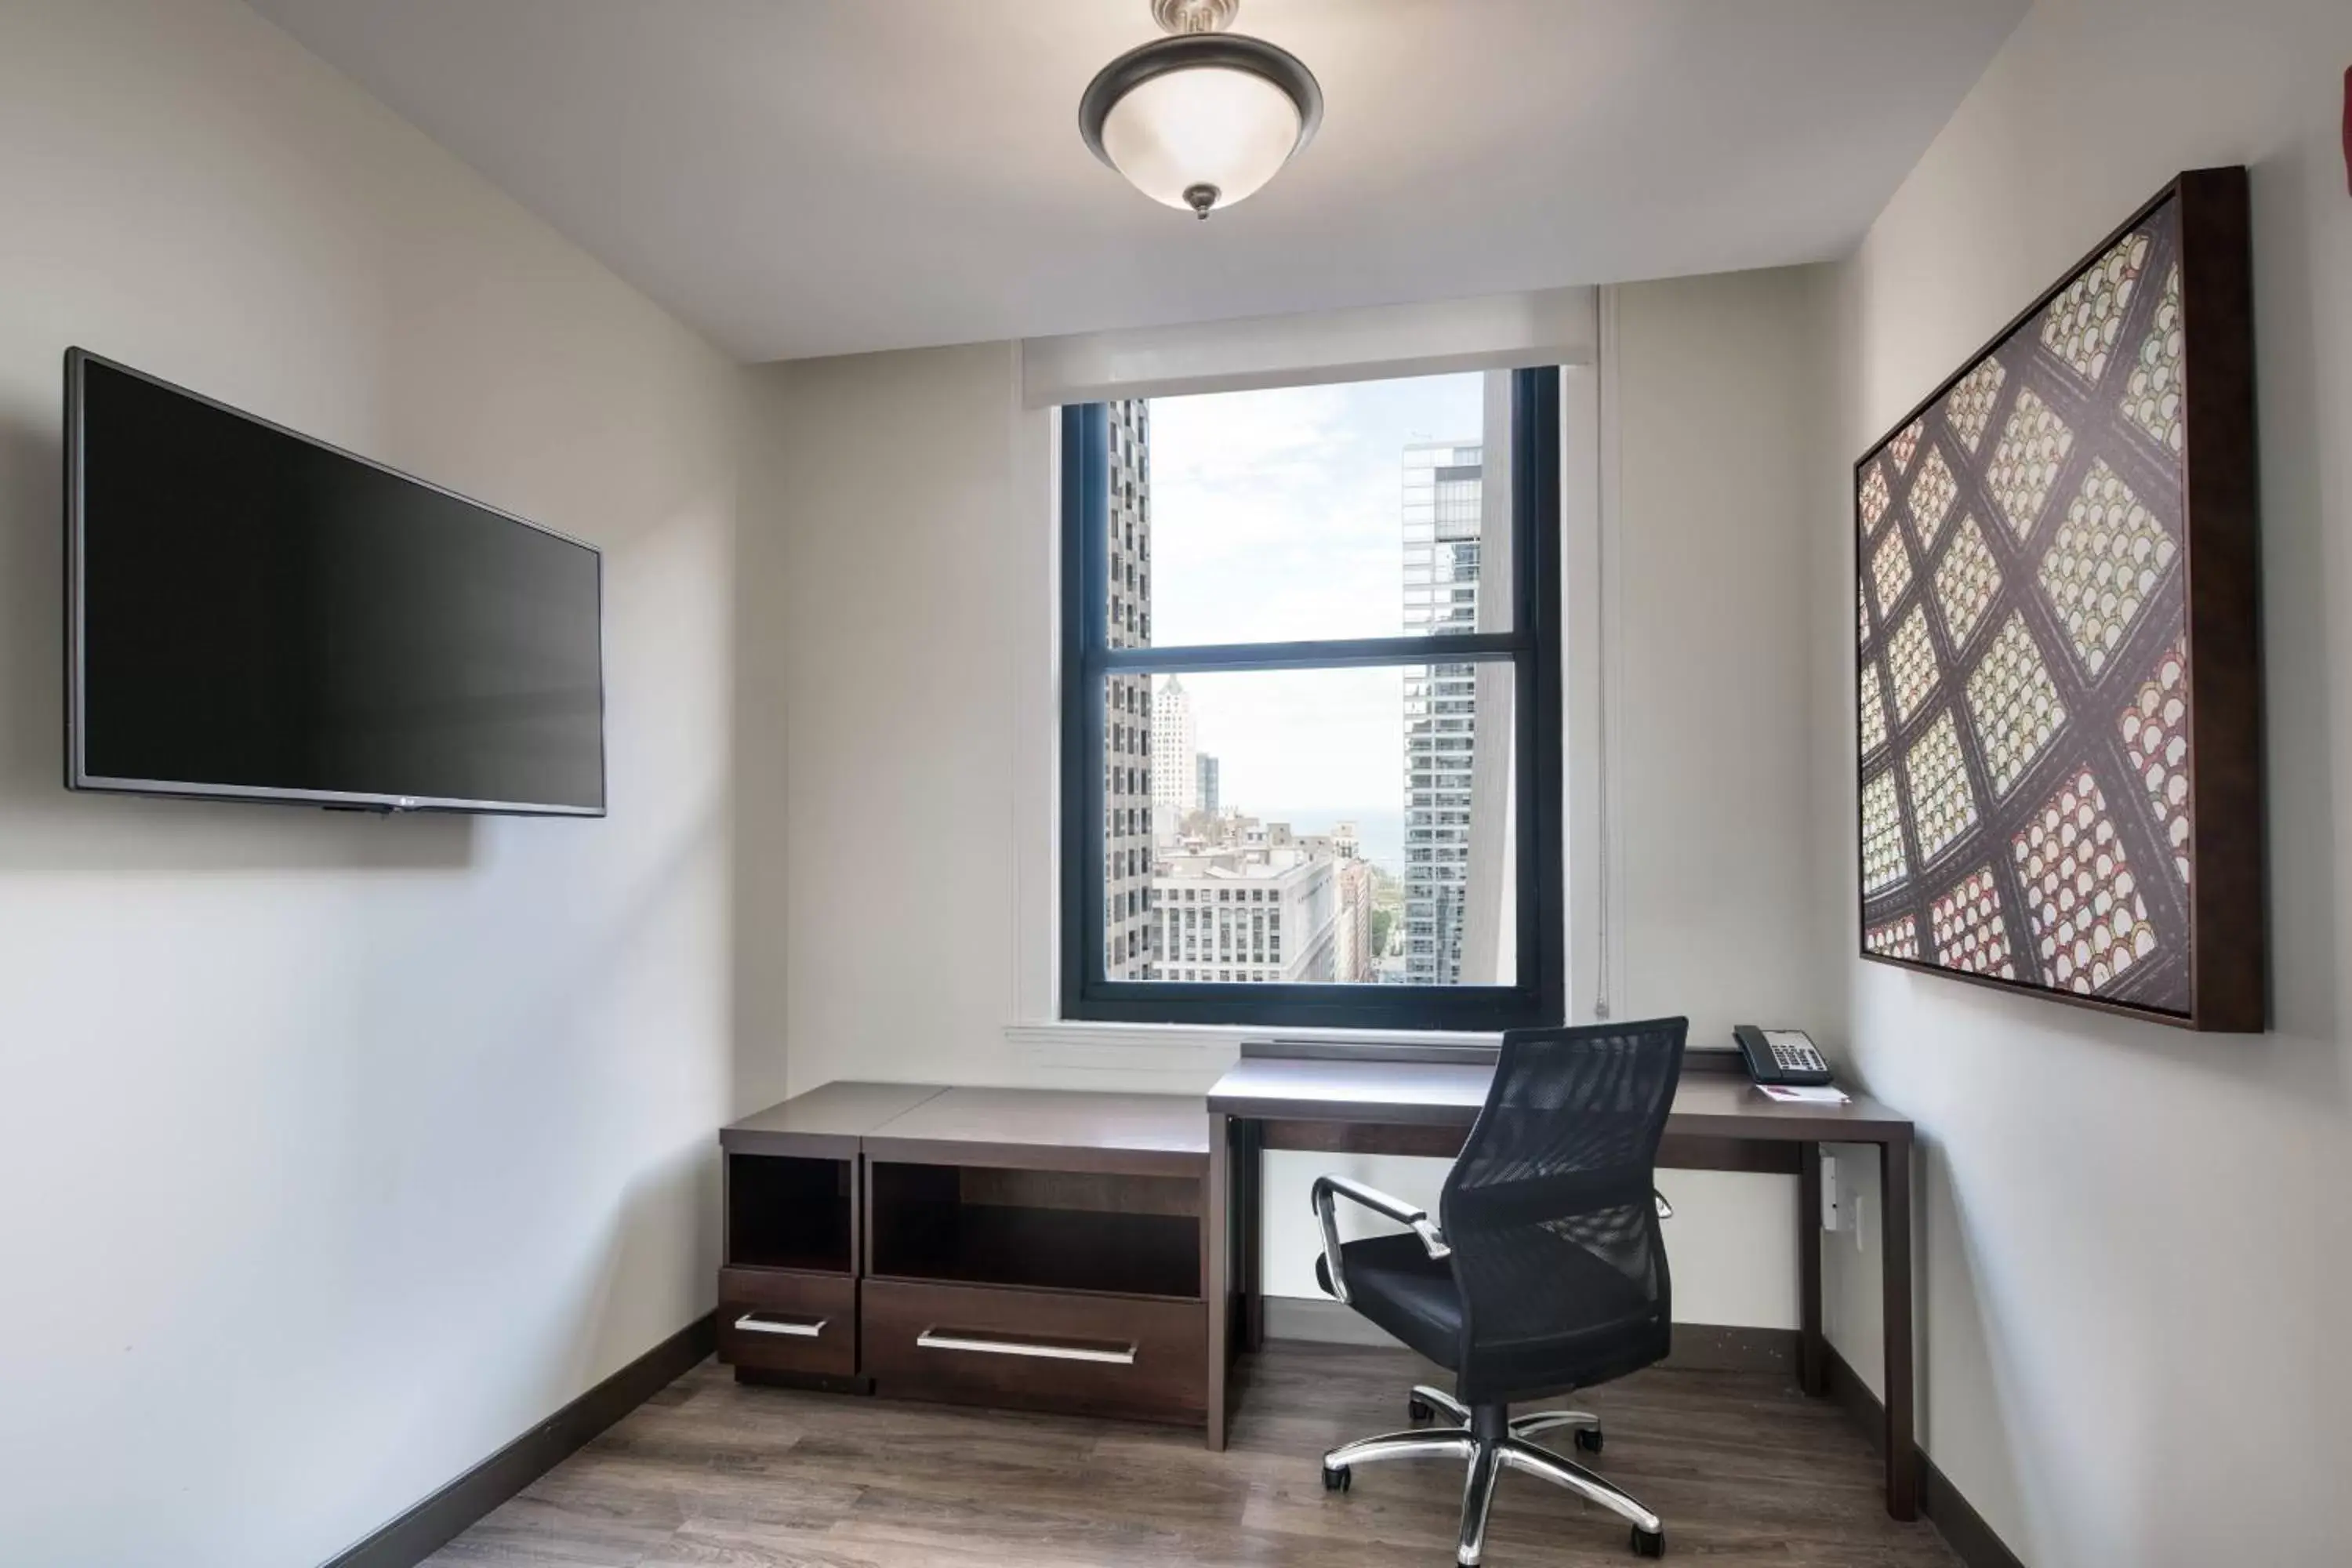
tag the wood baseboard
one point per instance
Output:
(1319, 1321)
(1844, 1385)
(1719, 1347)
(1703, 1347)
(1964, 1530)
(441, 1518)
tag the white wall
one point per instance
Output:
(1719, 386)
(905, 822)
(336, 1152)
(2137, 1251)
(899, 562)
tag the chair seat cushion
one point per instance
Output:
(1393, 1282)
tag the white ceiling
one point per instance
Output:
(825, 176)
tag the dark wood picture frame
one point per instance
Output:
(2179, 876)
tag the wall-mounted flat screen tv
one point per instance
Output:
(255, 615)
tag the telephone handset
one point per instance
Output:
(1780, 1056)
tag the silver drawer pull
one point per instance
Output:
(770, 1324)
(938, 1340)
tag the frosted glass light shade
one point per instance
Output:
(1200, 119)
(1210, 125)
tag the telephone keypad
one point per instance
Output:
(1792, 1052)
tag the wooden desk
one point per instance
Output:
(1720, 1122)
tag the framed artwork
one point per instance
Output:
(2059, 685)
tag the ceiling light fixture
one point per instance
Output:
(1202, 118)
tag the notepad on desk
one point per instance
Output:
(1805, 1094)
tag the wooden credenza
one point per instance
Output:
(1038, 1249)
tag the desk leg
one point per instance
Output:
(1217, 1244)
(1249, 1197)
(1812, 1366)
(1894, 1240)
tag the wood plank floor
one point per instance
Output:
(1744, 1470)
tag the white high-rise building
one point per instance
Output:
(1443, 492)
(1175, 776)
(1238, 912)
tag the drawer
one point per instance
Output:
(773, 1322)
(1036, 1350)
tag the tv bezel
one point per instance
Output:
(78, 778)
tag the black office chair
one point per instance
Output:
(1548, 1276)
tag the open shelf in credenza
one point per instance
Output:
(790, 1212)
(1109, 1233)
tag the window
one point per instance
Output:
(1325, 621)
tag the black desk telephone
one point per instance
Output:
(1780, 1056)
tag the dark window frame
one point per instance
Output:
(1533, 648)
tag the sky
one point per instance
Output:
(1278, 515)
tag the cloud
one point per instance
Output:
(1278, 515)
(1302, 737)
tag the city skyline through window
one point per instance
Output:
(1276, 515)
(1284, 791)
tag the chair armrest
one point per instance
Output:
(1327, 1188)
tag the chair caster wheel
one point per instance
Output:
(1588, 1439)
(1649, 1542)
(1338, 1480)
(1417, 1411)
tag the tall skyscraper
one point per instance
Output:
(1205, 791)
(1128, 926)
(1444, 492)
(1174, 783)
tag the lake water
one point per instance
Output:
(1380, 832)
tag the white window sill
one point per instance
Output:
(1187, 1058)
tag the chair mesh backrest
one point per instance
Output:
(1549, 1206)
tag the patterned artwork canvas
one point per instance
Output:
(2032, 760)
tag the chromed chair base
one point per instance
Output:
(1486, 1459)
(1528, 1426)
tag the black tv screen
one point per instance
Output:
(254, 614)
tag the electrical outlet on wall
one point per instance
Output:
(1829, 1192)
